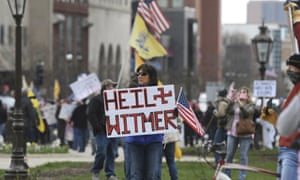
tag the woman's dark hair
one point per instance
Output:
(133, 82)
(151, 71)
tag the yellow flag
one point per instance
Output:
(35, 103)
(138, 61)
(178, 152)
(159, 83)
(56, 90)
(144, 42)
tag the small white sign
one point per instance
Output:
(66, 111)
(140, 111)
(264, 88)
(49, 113)
(85, 86)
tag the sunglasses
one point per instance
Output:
(141, 74)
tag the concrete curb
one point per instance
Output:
(34, 160)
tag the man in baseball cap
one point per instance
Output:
(108, 82)
(105, 151)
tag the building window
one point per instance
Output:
(101, 56)
(10, 35)
(1, 35)
(118, 61)
(61, 36)
(110, 55)
(177, 3)
(69, 33)
(79, 41)
(163, 3)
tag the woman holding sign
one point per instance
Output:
(145, 150)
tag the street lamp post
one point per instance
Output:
(262, 46)
(18, 168)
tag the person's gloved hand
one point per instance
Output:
(176, 112)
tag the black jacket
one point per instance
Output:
(29, 113)
(79, 117)
(96, 115)
(3, 113)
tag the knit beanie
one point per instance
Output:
(222, 93)
(294, 60)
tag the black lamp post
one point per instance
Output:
(262, 46)
(18, 168)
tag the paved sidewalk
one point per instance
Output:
(34, 160)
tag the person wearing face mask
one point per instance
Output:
(288, 124)
(240, 106)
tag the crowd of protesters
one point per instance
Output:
(143, 154)
(54, 127)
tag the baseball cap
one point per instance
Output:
(107, 82)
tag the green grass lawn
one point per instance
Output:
(186, 170)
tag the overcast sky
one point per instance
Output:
(234, 11)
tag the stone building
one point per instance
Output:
(109, 50)
(55, 38)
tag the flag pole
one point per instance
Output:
(180, 91)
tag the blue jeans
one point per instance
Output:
(169, 152)
(145, 158)
(128, 173)
(220, 136)
(232, 146)
(93, 141)
(105, 152)
(2, 129)
(287, 163)
(79, 139)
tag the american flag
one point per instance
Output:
(187, 114)
(270, 72)
(153, 16)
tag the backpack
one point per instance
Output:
(220, 112)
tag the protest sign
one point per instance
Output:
(140, 111)
(264, 88)
(66, 111)
(85, 86)
(49, 113)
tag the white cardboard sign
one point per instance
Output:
(66, 111)
(85, 86)
(140, 111)
(49, 113)
(264, 88)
